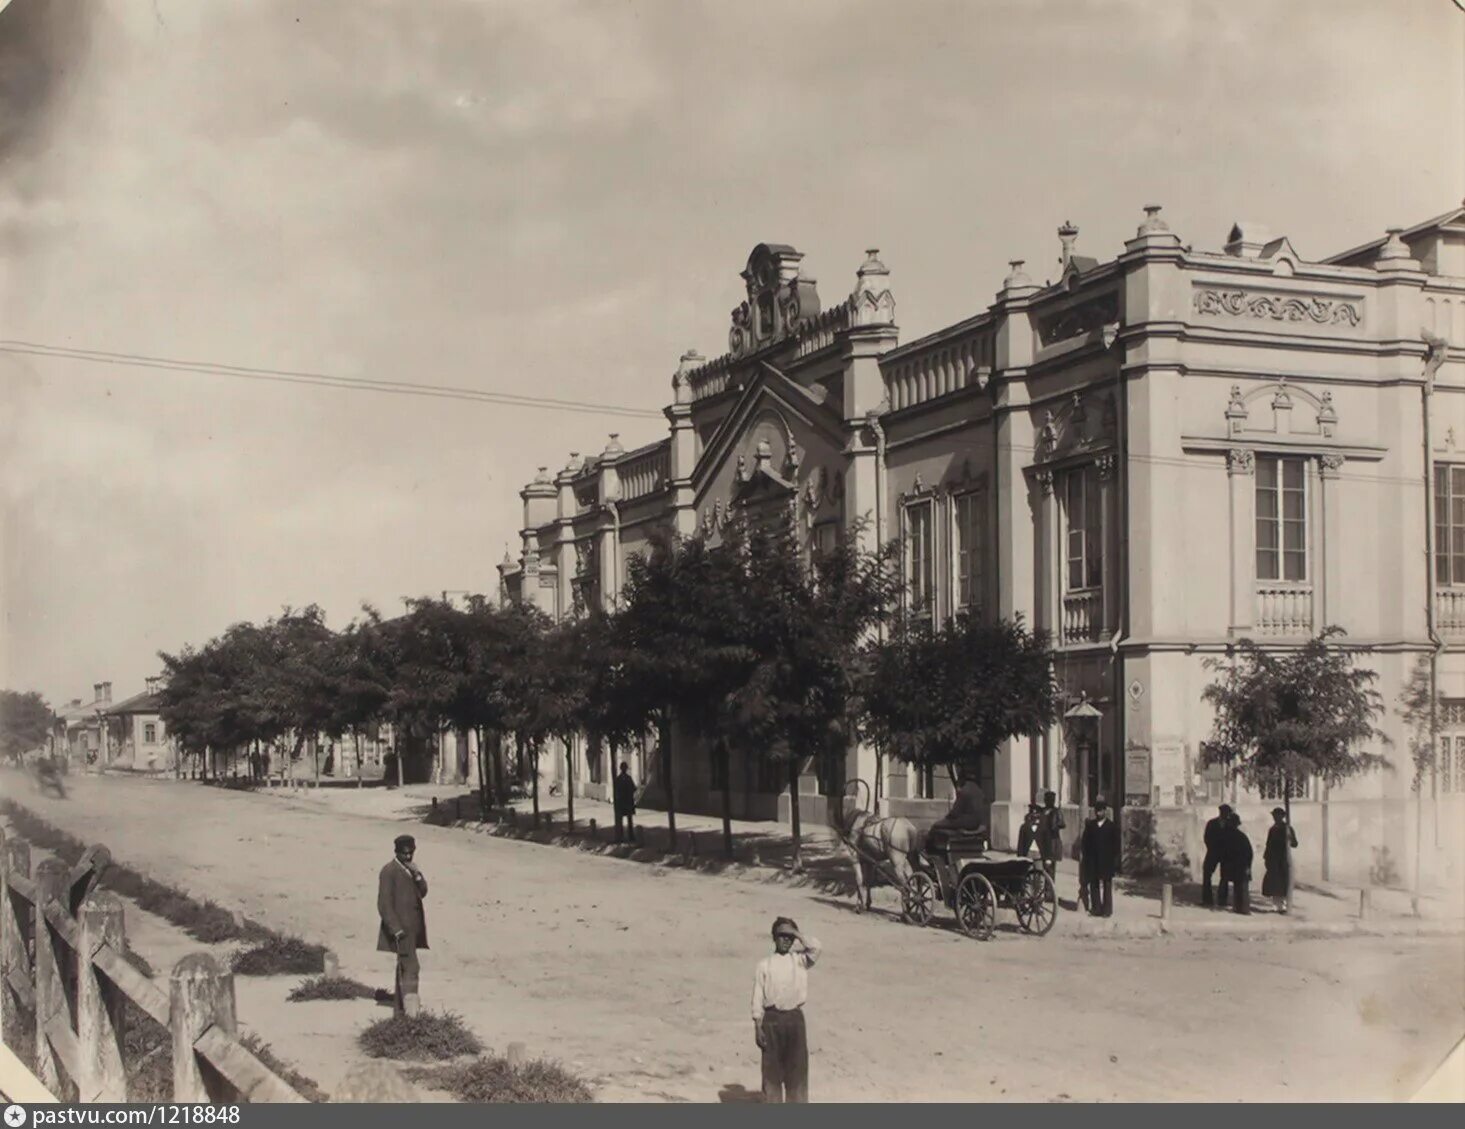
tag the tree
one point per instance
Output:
(25, 723)
(802, 621)
(678, 642)
(952, 696)
(1418, 707)
(1285, 716)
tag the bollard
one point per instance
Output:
(202, 996)
(330, 964)
(457, 807)
(593, 829)
(1365, 904)
(1167, 893)
(515, 1054)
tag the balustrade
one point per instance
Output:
(1450, 610)
(942, 368)
(1284, 609)
(1083, 616)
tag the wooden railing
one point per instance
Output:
(63, 955)
(1283, 609)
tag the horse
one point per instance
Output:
(890, 840)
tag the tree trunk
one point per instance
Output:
(482, 772)
(534, 777)
(727, 836)
(360, 774)
(570, 781)
(397, 756)
(793, 811)
(664, 738)
(1287, 839)
(315, 760)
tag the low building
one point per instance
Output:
(81, 734)
(1150, 457)
(138, 740)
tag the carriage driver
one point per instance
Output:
(968, 814)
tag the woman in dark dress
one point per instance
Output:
(1277, 861)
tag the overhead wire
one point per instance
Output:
(319, 379)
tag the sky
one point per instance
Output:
(556, 199)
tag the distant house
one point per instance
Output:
(80, 735)
(136, 736)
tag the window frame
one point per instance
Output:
(927, 610)
(1446, 530)
(150, 733)
(973, 572)
(1090, 559)
(1279, 521)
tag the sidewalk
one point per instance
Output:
(763, 851)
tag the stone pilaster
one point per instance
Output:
(1240, 471)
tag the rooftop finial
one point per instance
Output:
(1067, 235)
(1153, 223)
(1018, 277)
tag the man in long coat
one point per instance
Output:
(1215, 828)
(1100, 853)
(400, 890)
(1050, 834)
(1236, 858)
(624, 795)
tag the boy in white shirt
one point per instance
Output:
(780, 989)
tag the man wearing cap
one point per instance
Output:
(1215, 829)
(780, 989)
(1100, 853)
(400, 890)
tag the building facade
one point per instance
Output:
(1151, 457)
(137, 736)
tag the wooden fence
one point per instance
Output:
(62, 959)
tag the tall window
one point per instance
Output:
(1450, 761)
(1449, 524)
(971, 528)
(1281, 518)
(1085, 528)
(920, 558)
(150, 733)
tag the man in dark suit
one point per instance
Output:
(1100, 850)
(1236, 856)
(1214, 834)
(625, 802)
(400, 890)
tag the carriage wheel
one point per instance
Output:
(976, 906)
(1037, 903)
(918, 899)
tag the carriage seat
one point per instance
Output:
(974, 839)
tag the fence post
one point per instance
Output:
(201, 996)
(1167, 893)
(99, 1015)
(330, 964)
(15, 961)
(594, 831)
(1365, 904)
(50, 989)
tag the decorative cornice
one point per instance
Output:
(1277, 307)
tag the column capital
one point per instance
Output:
(1330, 464)
(1240, 460)
(1045, 481)
(1105, 465)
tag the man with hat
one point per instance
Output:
(1215, 829)
(400, 890)
(1100, 859)
(780, 989)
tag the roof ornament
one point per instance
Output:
(1153, 223)
(1067, 236)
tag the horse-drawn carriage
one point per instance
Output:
(958, 873)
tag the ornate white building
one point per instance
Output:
(1150, 457)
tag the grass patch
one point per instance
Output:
(426, 1037)
(147, 1055)
(490, 1078)
(204, 921)
(298, 1082)
(331, 988)
(278, 956)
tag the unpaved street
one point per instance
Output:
(643, 974)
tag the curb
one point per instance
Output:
(1298, 931)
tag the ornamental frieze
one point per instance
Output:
(1277, 307)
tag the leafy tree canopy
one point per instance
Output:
(25, 722)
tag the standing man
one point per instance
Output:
(625, 801)
(400, 890)
(1215, 829)
(780, 989)
(1101, 859)
(1236, 858)
(1050, 837)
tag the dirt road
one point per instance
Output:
(642, 975)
